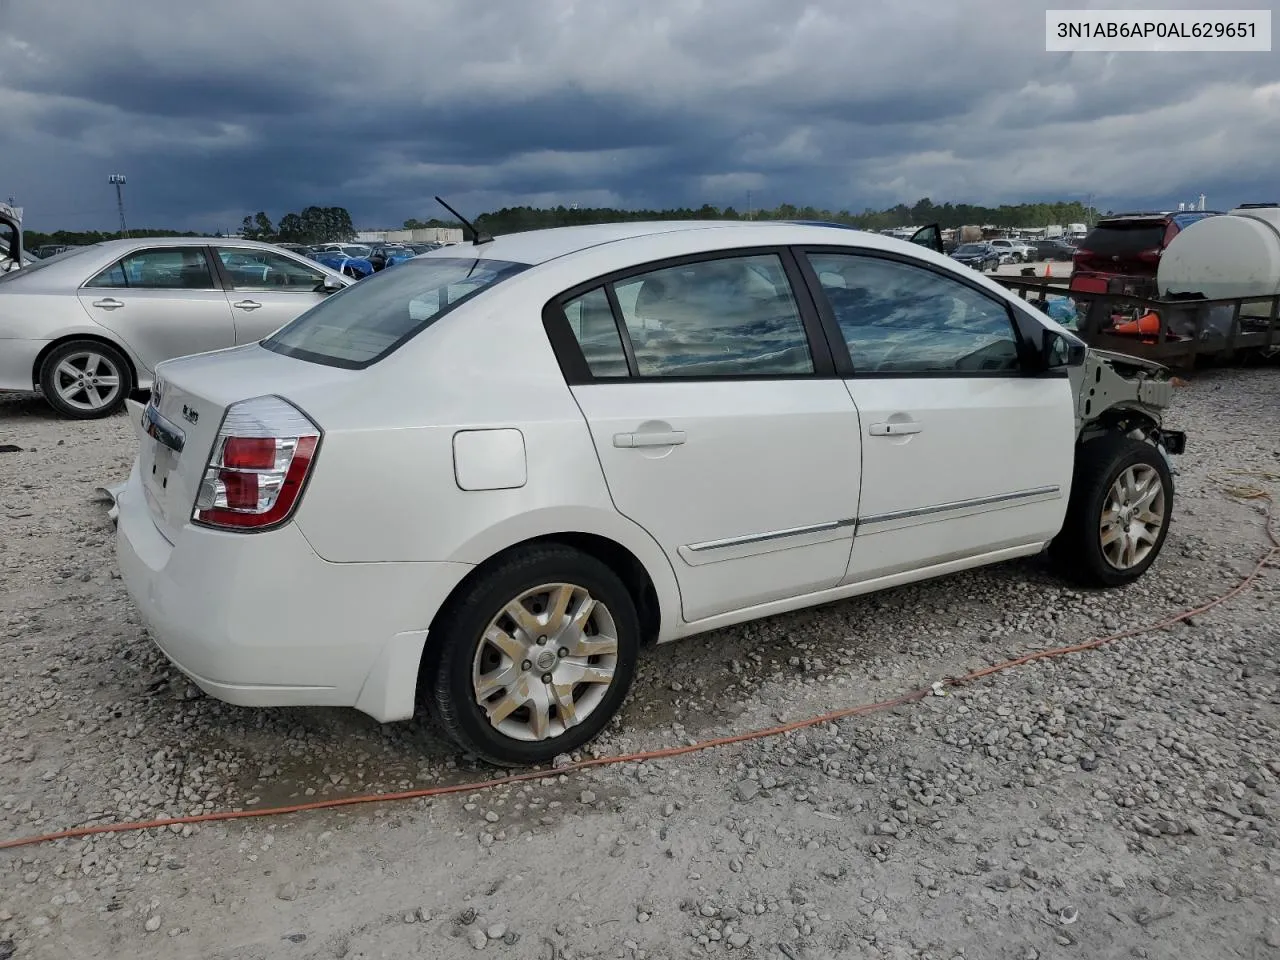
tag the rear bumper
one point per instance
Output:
(18, 363)
(260, 620)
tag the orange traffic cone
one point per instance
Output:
(1048, 268)
(1146, 325)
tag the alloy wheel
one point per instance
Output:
(545, 662)
(1132, 516)
(87, 380)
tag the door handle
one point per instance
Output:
(669, 438)
(246, 304)
(109, 303)
(894, 429)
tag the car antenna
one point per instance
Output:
(477, 237)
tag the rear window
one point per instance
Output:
(360, 325)
(1125, 238)
(35, 265)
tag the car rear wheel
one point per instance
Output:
(1118, 517)
(85, 379)
(533, 658)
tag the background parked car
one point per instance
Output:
(1127, 249)
(1018, 250)
(1058, 250)
(981, 256)
(351, 260)
(388, 254)
(87, 326)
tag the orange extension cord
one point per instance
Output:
(909, 697)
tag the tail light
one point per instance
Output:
(1150, 256)
(259, 464)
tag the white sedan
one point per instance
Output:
(479, 483)
(87, 326)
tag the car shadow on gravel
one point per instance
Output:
(687, 689)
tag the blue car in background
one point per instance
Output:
(388, 254)
(351, 259)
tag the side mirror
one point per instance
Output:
(331, 285)
(1057, 351)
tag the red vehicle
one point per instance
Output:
(1127, 249)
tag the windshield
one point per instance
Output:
(1125, 237)
(365, 322)
(971, 248)
(35, 265)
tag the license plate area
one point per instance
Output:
(161, 450)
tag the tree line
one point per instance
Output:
(513, 219)
(315, 224)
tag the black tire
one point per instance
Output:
(111, 358)
(1078, 551)
(446, 686)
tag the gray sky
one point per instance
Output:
(218, 110)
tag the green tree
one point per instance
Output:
(316, 225)
(258, 227)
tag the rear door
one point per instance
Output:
(719, 422)
(963, 453)
(267, 289)
(164, 302)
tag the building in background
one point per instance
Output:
(424, 235)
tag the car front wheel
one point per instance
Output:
(534, 658)
(1119, 513)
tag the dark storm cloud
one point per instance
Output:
(214, 113)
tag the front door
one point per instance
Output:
(267, 289)
(930, 236)
(720, 426)
(963, 454)
(164, 302)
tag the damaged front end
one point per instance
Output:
(1116, 392)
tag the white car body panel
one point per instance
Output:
(952, 490)
(737, 519)
(393, 516)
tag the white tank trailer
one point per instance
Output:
(1233, 255)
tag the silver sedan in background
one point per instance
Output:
(87, 326)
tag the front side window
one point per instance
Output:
(715, 318)
(365, 322)
(591, 320)
(164, 268)
(901, 319)
(251, 269)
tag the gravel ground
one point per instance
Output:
(1110, 804)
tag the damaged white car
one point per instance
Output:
(478, 484)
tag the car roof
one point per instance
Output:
(535, 247)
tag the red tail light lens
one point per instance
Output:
(249, 453)
(259, 464)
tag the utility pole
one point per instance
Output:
(748, 204)
(118, 180)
